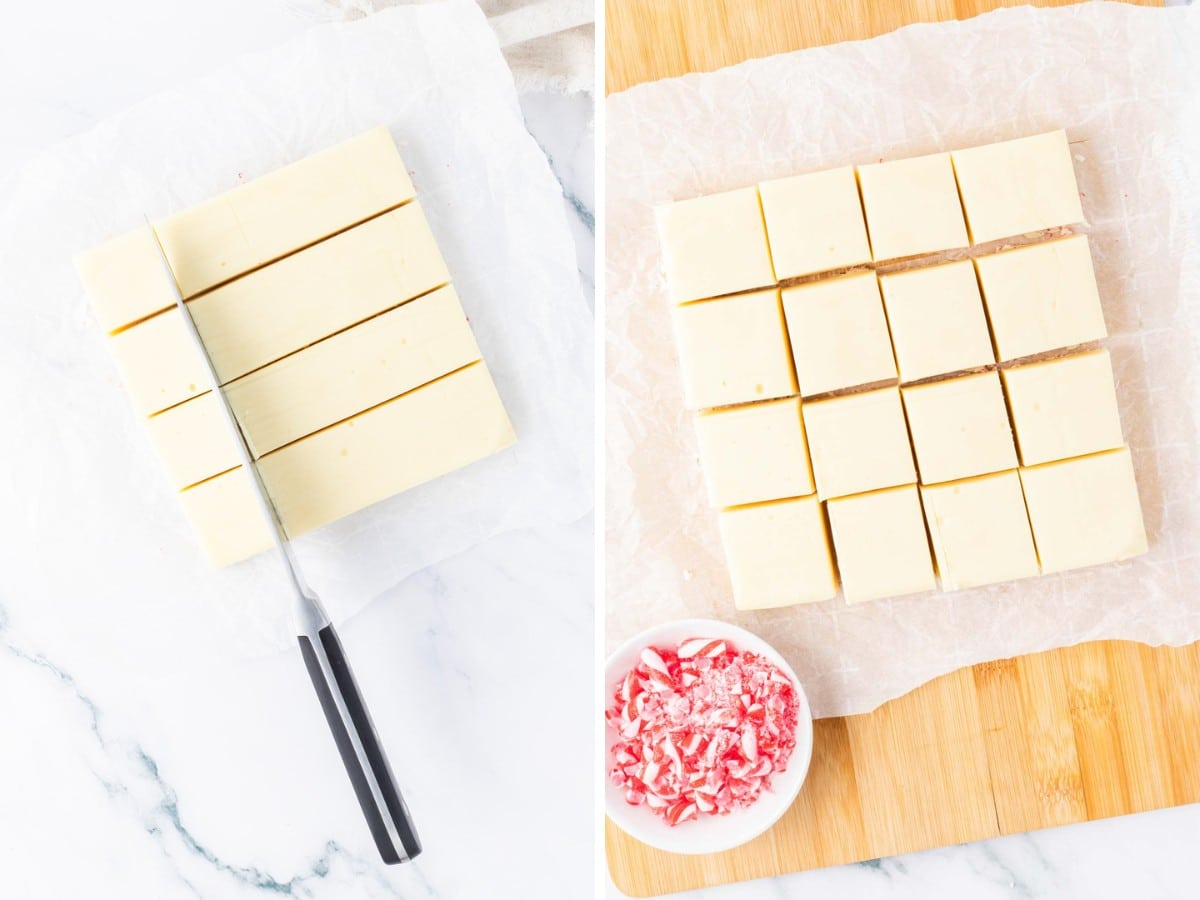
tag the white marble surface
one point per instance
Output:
(1149, 855)
(151, 761)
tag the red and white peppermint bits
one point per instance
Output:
(702, 727)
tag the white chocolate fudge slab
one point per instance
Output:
(754, 453)
(912, 206)
(880, 543)
(778, 554)
(734, 350)
(246, 227)
(858, 443)
(336, 378)
(1017, 187)
(1041, 297)
(407, 441)
(277, 310)
(839, 334)
(979, 531)
(1064, 407)
(815, 223)
(1085, 511)
(714, 245)
(937, 320)
(959, 427)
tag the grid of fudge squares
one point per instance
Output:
(327, 311)
(885, 430)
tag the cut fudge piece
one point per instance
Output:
(882, 550)
(1064, 407)
(858, 443)
(959, 427)
(912, 206)
(1041, 297)
(714, 245)
(1085, 511)
(937, 320)
(734, 350)
(1016, 187)
(979, 530)
(838, 333)
(778, 553)
(815, 222)
(754, 453)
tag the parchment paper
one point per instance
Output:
(1125, 83)
(86, 512)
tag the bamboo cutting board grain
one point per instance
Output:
(650, 39)
(1069, 735)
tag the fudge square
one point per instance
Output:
(755, 452)
(1064, 407)
(882, 550)
(734, 350)
(778, 553)
(1041, 297)
(815, 222)
(839, 333)
(912, 207)
(959, 427)
(1085, 511)
(714, 245)
(858, 443)
(937, 321)
(979, 530)
(1017, 187)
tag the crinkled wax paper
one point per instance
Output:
(1125, 83)
(88, 515)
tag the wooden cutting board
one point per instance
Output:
(650, 39)
(1069, 735)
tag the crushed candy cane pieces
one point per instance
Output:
(703, 727)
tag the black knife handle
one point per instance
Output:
(358, 743)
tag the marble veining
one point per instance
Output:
(1134, 856)
(131, 779)
(562, 127)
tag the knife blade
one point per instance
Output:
(325, 659)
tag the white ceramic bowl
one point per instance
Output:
(707, 834)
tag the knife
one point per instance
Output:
(353, 731)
